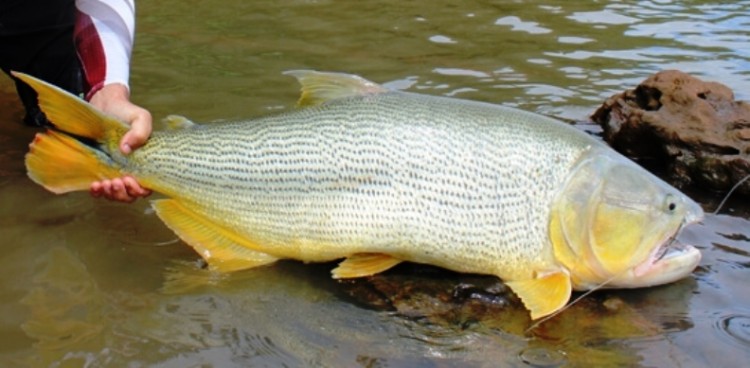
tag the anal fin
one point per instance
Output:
(223, 250)
(545, 294)
(364, 264)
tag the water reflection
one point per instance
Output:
(92, 283)
(64, 309)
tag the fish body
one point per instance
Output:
(366, 175)
(378, 177)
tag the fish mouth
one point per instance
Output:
(669, 262)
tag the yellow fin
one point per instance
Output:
(319, 87)
(224, 250)
(178, 122)
(543, 295)
(73, 115)
(62, 164)
(364, 264)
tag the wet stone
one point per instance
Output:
(692, 130)
(613, 304)
(426, 292)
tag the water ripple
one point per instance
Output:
(736, 327)
(541, 357)
(516, 24)
(602, 17)
(442, 39)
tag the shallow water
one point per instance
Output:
(91, 283)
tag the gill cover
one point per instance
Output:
(611, 216)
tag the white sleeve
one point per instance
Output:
(104, 39)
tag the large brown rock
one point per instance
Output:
(694, 130)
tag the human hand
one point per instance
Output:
(114, 100)
(124, 189)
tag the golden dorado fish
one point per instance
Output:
(378, 177)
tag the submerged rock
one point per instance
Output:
(693, 130)
(441, 304)
(428, 293)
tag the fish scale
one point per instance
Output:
(365, 174)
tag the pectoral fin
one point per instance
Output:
(545, 294)
(224, 250)
(364, 264)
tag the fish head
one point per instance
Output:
(615, 223)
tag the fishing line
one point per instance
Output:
(576, 300)
(668, 243)
(672, 239)
(730, 193)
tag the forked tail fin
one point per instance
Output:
(73, 115)
(60, 162)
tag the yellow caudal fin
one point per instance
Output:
(62, 164)
(73, 115)
(319, 87)
(543, 295)
(224, 250)
(364, 264)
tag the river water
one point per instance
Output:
(92, 283)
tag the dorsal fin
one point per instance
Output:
(175, 122)
(319, 87)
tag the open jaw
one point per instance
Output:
(668, 262)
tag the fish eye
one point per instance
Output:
(670, 204)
